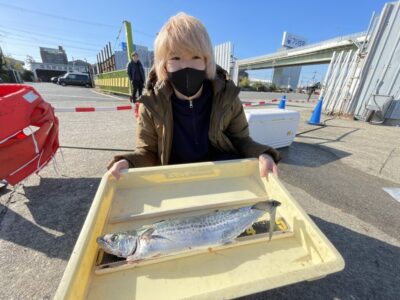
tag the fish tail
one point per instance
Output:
(269, 206)
(266, 205)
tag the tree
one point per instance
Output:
(13, 63)
(259, 86)
(29, 59)
(244, 83)
(28, 76)
(2, 61)
(272, 87)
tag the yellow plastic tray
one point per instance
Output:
(141, 196)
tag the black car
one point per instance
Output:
(54, 79)
(75, 79)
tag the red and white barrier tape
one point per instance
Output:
(261, 103)
(90, 109)
(129, 107)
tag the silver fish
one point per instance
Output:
(176, 235)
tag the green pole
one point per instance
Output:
(129, 44)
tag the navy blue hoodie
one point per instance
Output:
(190, 134)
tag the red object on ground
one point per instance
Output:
(21, 153)
(137, 109)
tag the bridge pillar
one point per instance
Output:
(286, 76)
(235, 73)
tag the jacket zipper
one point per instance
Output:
(194, 122)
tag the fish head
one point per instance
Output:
(121, 244)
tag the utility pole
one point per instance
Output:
(313, 79)
(129, 45)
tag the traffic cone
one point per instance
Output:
(282, 104)
(316, 115)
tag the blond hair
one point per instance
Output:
(183, 34)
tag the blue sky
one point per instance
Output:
(255, 27)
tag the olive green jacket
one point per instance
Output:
(228, 132)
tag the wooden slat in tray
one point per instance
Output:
(176, 211)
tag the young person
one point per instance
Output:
(191, 111)
(136, 76)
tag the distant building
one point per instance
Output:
(121, 59)
(145, 56)
(223, 54)
(53, 56)
(55, 63)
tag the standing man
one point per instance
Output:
(136, 75)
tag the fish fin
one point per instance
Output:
(159, 237)
(148, 232)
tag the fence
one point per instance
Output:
(115, 82)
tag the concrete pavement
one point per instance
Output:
(336, 172)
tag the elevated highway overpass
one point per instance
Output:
(318, 53)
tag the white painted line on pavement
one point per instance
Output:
(394, 192)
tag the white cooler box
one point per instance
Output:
(273, 127)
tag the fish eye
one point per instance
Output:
(113, 237)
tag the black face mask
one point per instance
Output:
(187, 81)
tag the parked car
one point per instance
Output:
(75, 79)
(54, 79)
